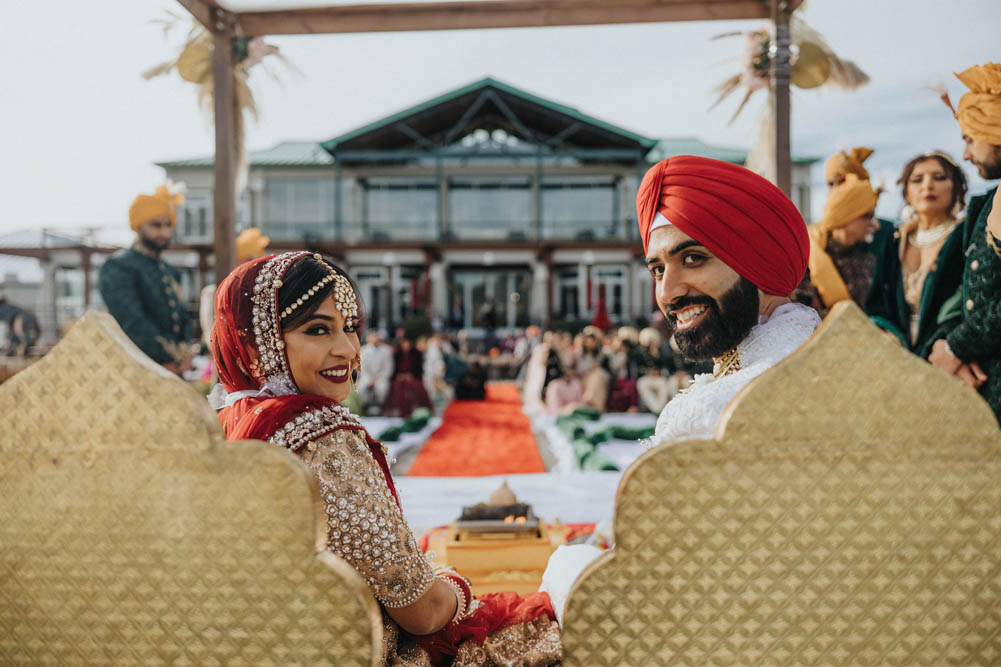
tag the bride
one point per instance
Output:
(286, 346)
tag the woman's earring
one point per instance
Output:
(355, 372)
(908, 214)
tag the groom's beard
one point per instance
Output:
(724, 325)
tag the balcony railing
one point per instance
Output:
(473, 231)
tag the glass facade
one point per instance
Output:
(399, 209)
(579, 208)
(485, 208)
(298, 208)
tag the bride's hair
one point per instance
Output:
(303, 275)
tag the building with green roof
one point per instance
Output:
(485, 201)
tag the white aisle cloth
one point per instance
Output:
(695, 413)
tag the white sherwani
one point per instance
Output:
(694, 414)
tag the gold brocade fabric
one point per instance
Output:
(134, 534)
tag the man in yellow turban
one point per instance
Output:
(972, 349)
(250, 243)
(842, 163)
(841, 261)
(142, 292)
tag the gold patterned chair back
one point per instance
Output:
(847, 513)
(133, 533)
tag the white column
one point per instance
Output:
(46, 304)
(439, 291)
(540, 280)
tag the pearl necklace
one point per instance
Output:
(922, 238)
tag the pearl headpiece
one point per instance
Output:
(344, 295)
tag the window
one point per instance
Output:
(490, 208)
(581, 207)
(401, 209)
(296, 208)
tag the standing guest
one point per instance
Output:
(250, 243)
(406, 391)
(285, 342)
(972, 349)
(841, 261)
(376, 371)
(842, 163)
(916, 278)
(837, 169)
(143, 292)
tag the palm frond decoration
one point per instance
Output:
(814, 64)
(194, 64)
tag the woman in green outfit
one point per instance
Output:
(917, 277)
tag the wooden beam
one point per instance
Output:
(781, 74)
(474, 14)
(202, 10)
(224, 186)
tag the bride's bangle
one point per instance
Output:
(463, 592)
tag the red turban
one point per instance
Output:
(742, 218)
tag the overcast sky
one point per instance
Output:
(81, 128)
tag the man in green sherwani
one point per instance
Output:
(972, 349)
(142, 292)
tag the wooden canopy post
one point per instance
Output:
(781, 74)
(225, 143)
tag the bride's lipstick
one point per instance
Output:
(335, 374)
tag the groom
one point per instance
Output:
(726, 248)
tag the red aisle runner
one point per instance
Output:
(477, 438)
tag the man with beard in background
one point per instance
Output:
(972, 349)
(143, 292)
(726, 249)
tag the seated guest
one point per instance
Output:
(591, 367)
(285, 341)
(472, 385)
(376, 372)
(916, 278)
(406, 391)
(658, 383)
(841, 261)
(565, 393)
(623, 366)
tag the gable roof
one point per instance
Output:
(494, 104)
(666, 148)
(285, 154)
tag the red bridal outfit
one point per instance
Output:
(364, 520)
